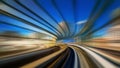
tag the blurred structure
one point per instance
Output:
(78, 30)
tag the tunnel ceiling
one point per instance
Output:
(58, 18)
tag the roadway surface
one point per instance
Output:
(64, 56)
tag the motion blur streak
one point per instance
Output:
(59, 33)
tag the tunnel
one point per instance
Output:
(59, 33)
